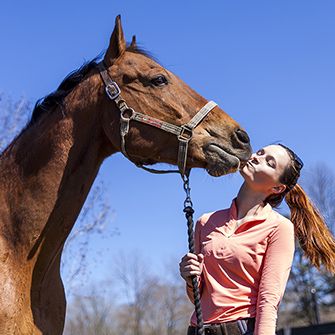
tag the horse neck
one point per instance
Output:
(48, 172)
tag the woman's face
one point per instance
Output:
(264, 168)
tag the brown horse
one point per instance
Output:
(47, 171)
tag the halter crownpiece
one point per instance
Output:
(184, 132)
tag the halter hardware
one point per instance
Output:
(184, 132)
(113, 90)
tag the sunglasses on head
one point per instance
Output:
(297, 159)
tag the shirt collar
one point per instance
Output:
(261, 214)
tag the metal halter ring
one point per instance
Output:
(126, 116)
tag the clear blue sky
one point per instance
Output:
(269, 64)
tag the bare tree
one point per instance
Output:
(310, 293)
(154, 304)
(175, 308)
(13, 116)
(321, 187)
(92, 314)
(320, 184)
(94, 221)
(175, 303)
(135, 279)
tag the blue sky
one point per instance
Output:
(269, 64)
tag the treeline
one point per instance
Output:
(138, 303)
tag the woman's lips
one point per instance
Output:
(250, 165)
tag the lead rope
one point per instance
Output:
(188, 210)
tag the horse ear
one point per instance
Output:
(133, 42)
(117, 43)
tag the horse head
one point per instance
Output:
(218, 143)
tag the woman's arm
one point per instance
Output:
(275, 273)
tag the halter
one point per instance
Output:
(184, 132)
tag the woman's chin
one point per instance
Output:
(245, 171)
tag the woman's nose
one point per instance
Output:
(254, 159)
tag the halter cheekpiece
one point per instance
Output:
(184, 132)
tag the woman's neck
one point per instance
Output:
(248, 201)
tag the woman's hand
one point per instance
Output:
(191, 265)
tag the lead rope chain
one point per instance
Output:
(188, 210)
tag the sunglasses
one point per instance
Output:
(294, 156)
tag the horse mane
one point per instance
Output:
(47, 104)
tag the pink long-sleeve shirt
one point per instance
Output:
(245, 271)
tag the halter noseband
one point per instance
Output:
(184, 132)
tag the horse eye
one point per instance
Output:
(159, 81)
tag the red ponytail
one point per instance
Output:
(314, 237)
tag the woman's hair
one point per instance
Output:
(314, 237)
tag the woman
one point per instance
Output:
(244, 253)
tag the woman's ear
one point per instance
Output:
(279, 188)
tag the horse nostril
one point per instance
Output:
(242, 136)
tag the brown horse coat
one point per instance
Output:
(47, 171)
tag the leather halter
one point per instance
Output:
(183, 132)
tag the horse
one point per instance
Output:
(48, 169)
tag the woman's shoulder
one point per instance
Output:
(220, 215)
(281, 222)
